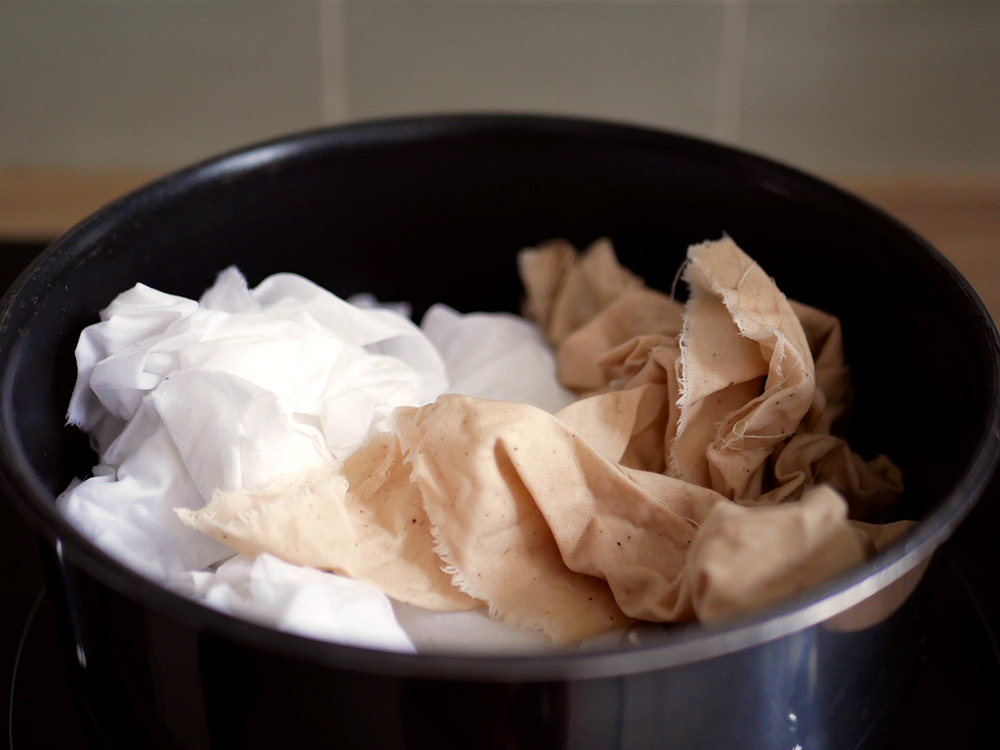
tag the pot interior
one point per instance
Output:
(434, 211)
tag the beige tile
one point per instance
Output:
(333, 61)
(649, 62)
(865, 86)
(149, 84)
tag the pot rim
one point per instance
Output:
(683, 644)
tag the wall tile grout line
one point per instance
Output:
(333, 94)
(732, 58)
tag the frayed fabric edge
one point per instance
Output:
(459, 580)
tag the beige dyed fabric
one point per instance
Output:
(760, 381)
(696, 477)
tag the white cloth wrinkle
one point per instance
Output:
(478, 346)
(305, 601)
(184, 398)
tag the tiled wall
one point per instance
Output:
(837, 86)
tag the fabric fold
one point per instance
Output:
(689, 464)
(185, 398)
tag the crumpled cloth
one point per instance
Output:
(697, 477)
(185, 398)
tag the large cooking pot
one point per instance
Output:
(432, 210)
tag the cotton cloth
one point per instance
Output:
(696, 477)
(186, 398)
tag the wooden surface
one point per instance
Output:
(961, 217)
(40, 204)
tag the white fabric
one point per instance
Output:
(302, 600)
(185, 398)
(497, 356)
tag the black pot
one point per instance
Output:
(433, 210)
